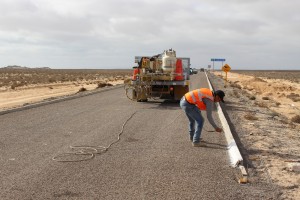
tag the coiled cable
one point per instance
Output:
(83, 153)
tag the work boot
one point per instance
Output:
(199, 144)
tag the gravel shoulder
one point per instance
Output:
(263, 127)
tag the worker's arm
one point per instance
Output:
(209, 108)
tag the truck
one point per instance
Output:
(161, 76)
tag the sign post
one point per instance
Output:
(209, 66)
(217, 60)
(226, 68)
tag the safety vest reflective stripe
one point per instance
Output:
(196, 97)
(199, 95)
(193, 97)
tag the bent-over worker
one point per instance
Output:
(192, 103)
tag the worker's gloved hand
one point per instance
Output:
(219, 130)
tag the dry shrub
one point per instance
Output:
(296, 119)
(82, 89)
(261, 104)
(250, 116)
(236, 93)
(292, 125)
(256, 79)
(252, 97)
(119, 78)
(265, 98)
(103, 84)
(111, 78)
(284, 88)
(248, 88)
(294, 97)
(236, 85)
(51, 80)
(274, 114)
(17, 84)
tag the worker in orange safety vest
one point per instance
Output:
(193, 103)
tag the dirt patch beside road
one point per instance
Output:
(262, 113)
(30, 85)
(27, 95)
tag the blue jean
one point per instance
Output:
(194, 115)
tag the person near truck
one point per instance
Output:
(193, 103)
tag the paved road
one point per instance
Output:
(154, 158)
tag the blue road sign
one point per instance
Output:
(218, 59)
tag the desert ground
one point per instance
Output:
(263, 108)
(24, 86)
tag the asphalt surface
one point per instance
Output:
(153, 159)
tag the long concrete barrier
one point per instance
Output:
(234, 153)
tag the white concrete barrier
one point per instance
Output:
(234, 153)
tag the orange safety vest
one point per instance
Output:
(196, 96)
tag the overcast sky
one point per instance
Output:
(249, 34)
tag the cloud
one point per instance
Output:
(108, 34)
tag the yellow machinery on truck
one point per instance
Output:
(162, 76)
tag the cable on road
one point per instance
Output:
(83, 153)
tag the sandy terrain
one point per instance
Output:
(22, 85)
(11, 98)
(265, 115)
